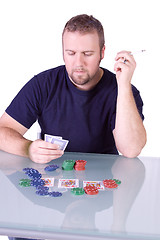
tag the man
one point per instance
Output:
(94, 109)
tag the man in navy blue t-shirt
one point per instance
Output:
(96, 110)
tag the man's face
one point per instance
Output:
(82, 57)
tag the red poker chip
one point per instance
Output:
(81, 161)
(77, 169)
(91, 190)
(80, 165)
(109, 183)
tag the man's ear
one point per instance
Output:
(102, 52)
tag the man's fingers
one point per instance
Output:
(45, 158)
(42, 144)
(125, 56)
(43, 152)
(48, 151)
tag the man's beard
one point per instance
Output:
(82, 78)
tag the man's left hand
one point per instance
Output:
(124, 67)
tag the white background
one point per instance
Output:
(30, 43)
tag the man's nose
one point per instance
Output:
(79, 59)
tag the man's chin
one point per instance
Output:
(79, 80)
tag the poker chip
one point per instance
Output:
(37, 182)
(32, 173)
(117, 181)
(55, 194)
(110, 183)
(42, 192)
(77, 191)
(26, 169)
(39, 187)
(68, 165)
(52, 167)
(25, 182)
(80, 165)
(91, 190)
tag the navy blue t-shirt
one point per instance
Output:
(85, 118)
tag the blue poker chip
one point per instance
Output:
(32, 173)
(42, 192)
(51, 167)
(55, 194)
(39, 187)
(37, 182)
(26, 169)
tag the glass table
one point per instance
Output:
(131, 211)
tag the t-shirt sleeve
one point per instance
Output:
(139, 104)
(26, 106)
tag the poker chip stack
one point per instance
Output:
(68, 165)
(110, 183)
(25, 182)
(80, 165)
(91, 190)
(77, 191)
(51, 167)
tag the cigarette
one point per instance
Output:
(137, 52)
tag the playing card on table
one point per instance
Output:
(68, 183)
(97, 184)
(49, 182)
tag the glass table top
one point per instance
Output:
(131, 211)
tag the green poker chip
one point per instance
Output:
(117, 181)
(68, 165)
(25, 182)
(77, 191)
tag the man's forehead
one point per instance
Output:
(78, 34)
(90, 40)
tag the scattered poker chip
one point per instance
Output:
(37, 182)
(32, 173)
(51, 167)
(68, 165)
(26, 169)
(55, 194)
(80, 165)
(25, 182)
(91, 190)
(77, 191)
(117, 181)
(42, 188)
(110, 183)
(42, 192)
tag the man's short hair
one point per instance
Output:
(86, 24)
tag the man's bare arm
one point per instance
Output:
(129, 132)
(12, 141)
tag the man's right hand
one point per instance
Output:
(40, 151)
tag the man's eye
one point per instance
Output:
(71, 53)
(88, 54)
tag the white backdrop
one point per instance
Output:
(30, 43)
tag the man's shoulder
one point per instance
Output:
(53, 72)
(109, 74)
(109, 80)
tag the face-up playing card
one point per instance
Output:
(68, 183)
(49, 182)
(98, 184)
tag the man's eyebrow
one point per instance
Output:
(89, 51)
(85, 51)
(69, 50)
